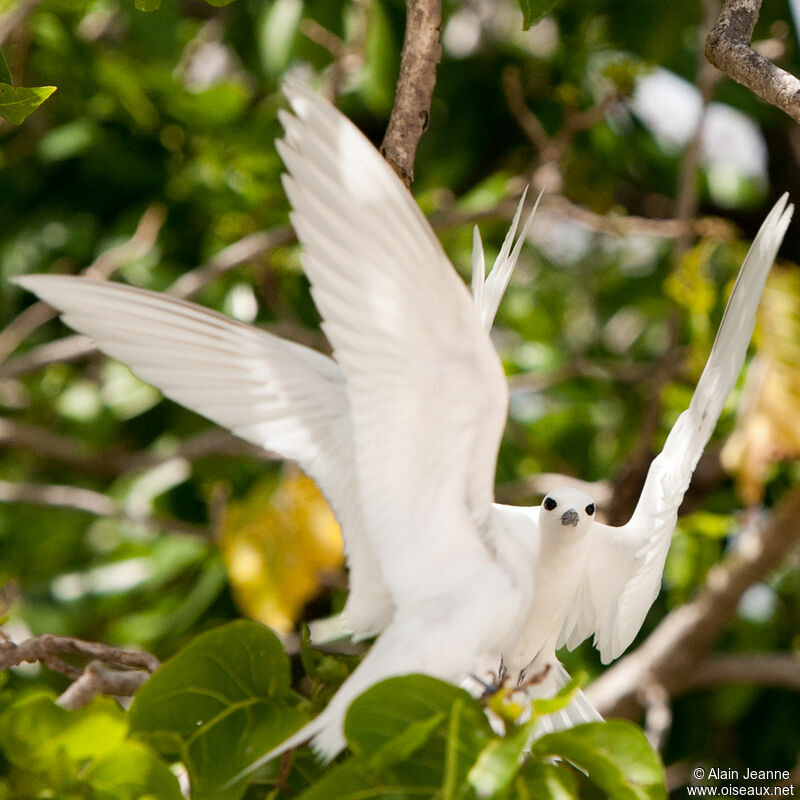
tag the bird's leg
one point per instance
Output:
(524, 682)
(496, 680)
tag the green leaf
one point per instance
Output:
(147, 5)
(499, 762)
(387, 709)
(17, 104)
(374, 777)
(547, 782)
(614, 755)
(534, 11)
(501, 759)
(35, 732)
(130, 772)
(353, 780)
(219, 3)
(327, 670)
(219, 704)
(277, 32)
(5, 72)
(415, 733)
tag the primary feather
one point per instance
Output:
(624, 565)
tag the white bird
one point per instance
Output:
(401, 430)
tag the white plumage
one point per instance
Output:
(401, 430)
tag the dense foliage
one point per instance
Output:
(153, 156)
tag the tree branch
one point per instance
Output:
(728, 48)
(779, 670)
(90, 681)
(80, 499)
(15, 17)
(73, 451)
(106, 264)
(241, 251)
(422, 51)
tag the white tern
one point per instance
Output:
(400, 429)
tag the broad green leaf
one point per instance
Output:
(219, 704)
(386, 710)
(219, 3)
(417, 732)
(355, 780)
(17, 104)
(535, 10)
(547, 782)
(147, 5)
(407, 743)
(5, 72)
(615, 756)
(374, 777)
(499, 762)
(35, 731)
(131, 772)
(501, 759)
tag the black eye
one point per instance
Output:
(549, 503)
(590, 509)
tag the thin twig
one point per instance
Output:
(97, 679)
(106, 264)
(728, 48)
(70, 348)
(38, 648)
(187, 286)
(779, 670)
(657, 714)
(545, 482)
(16, 17)
(80, 499)
(421, 53)
(246, 249)
(94, 679)
(526, 119)
(48, 444)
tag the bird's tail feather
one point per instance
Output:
(579, 710)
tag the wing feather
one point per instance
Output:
(426, 389)
(276, 394)
(625, 564)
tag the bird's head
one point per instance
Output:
(567, 511)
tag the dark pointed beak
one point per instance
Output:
(570, 518)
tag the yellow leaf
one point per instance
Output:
(279, 543)
(768, 424)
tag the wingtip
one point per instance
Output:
(26, 281)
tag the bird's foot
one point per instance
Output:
(524, 682)
(494, 681)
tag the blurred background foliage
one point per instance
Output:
(155, 154)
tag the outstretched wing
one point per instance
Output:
(277, 394)
(427, 393)
(624, 565)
